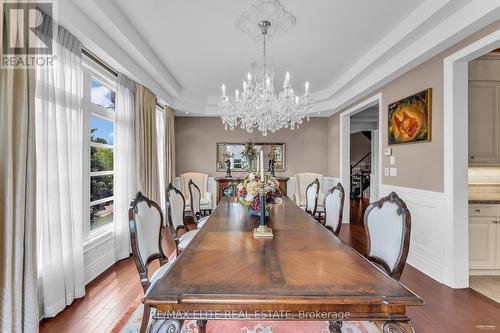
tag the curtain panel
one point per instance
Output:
(60, 179)
(125, 163)
(18, 309)
(146, 143)
(170, 145)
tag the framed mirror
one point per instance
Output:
(234, 152)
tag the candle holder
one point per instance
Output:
(262, 231)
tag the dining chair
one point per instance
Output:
(302, 181)
(145, 225)
(312, 197)
(388, 226)
(201, 180)
(199, 215)
(334, 208)
(176, 213)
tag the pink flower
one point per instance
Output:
(242, 192)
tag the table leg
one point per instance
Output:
(335, 326)
(202, 326)
(395, 326)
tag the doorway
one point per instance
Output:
(363, 134)
(456, 158)
(360, 157)
(484, 174)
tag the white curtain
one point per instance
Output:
(162, 157)
(18, 307)
(60, 159)
(125, 164)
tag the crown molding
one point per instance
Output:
(431, 28)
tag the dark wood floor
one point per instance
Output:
(446, 310)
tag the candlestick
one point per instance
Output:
(261, 161)
(258, 165)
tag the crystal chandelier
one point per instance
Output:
(257, 105)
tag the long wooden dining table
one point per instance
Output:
(303, 273)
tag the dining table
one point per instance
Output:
(304, 272)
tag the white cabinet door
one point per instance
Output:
(482, 237)
(484, 122)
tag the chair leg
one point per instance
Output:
(145, 318)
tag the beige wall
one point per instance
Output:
(196, 138)
(419, 165)
(334, 145)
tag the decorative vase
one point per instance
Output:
(250, 165)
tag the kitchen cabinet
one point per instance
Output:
(484, 237)
(484, 120)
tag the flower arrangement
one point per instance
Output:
(249, 151)
(249, 191)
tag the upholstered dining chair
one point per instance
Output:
(201, 180)
(312, 192)
(145, 225)
(194, 197)
(302, 181)
(334, 207)
(176, 213)
(388, 226)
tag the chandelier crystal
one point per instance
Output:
(257, 105)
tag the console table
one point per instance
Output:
(226, 186)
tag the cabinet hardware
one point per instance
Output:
(472, 157)
(477, 210)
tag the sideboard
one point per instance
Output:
(226, 186)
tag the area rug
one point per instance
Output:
(133, 324)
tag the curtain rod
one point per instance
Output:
(99, 61)
(107, 67)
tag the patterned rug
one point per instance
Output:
(133, 324)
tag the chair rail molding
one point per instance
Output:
(456, 231)
(427, 211)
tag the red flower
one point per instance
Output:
(242, 192)
(256, 205)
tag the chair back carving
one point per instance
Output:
(388, 226)
(194, 199)
(200, 179)
(145, 224)
(302, 181)
(334, 207)
(312, 192)
(176, 210)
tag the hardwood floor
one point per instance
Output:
(446, 310)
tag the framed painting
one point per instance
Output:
(410, 119)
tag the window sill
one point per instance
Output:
(99, 237)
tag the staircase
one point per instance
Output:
(360, 176)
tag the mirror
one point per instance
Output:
(234, 152)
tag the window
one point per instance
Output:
(99, 106)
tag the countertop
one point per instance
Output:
(484, 202)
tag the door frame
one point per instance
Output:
(345, 148)
(456, 162)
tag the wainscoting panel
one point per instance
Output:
(98, 255)
(427, 211)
